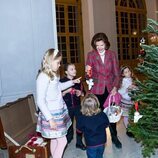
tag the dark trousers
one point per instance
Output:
(73, 113)
(102, 99)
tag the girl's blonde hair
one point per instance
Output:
(51, 54)
(90, 105)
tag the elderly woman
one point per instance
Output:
(104, 66)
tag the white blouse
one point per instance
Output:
(126, 82)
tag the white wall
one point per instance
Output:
(105, 20)
(27, 30)
(88, 24)
(98, 16)
(152, 7)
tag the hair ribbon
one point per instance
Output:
(55, 52)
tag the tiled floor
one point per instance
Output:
(3, 154)
(130, 149)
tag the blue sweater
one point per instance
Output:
(93, 128)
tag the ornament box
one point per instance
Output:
(17, 130)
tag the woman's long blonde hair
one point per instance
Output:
(90, 105)
(51, 54)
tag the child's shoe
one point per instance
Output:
(116, 141)
(81, 146)
(129, 134)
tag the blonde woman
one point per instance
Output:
(53, 119)
(93, 123)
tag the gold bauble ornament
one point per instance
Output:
(153, 39)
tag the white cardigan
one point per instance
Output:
(49, 95)
(126, 82)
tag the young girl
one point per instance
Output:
(93, 123)
(126, 86)
(72, 98)
(53, 119)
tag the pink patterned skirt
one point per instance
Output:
(62, 120)
(126, 105)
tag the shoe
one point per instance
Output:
(69, 140)
(129, 134)
(81, 146)
(116, 141)
(3, 148)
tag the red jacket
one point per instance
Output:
(104, 74)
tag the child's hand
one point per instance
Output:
(78, 92)
(52, 124)
(67, 91)
(132, 87)
(77, 80)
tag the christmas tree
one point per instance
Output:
(145, 128)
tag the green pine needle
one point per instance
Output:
(146, 129)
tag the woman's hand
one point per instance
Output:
(53, 125)
(132, 87)
(88, 70)
(113, 91)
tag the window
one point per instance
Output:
(130, 21)
(69, 31)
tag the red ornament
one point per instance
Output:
(30, 144)
(72, 91)
(34, 139)
(141, 53)
(89, 73)
(136, 106)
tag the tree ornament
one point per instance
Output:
(142, 41)
(89, 81)
(153, 39)
(141, 56)
(137, 115)
(141, 53)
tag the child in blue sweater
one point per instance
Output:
(93, 123)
